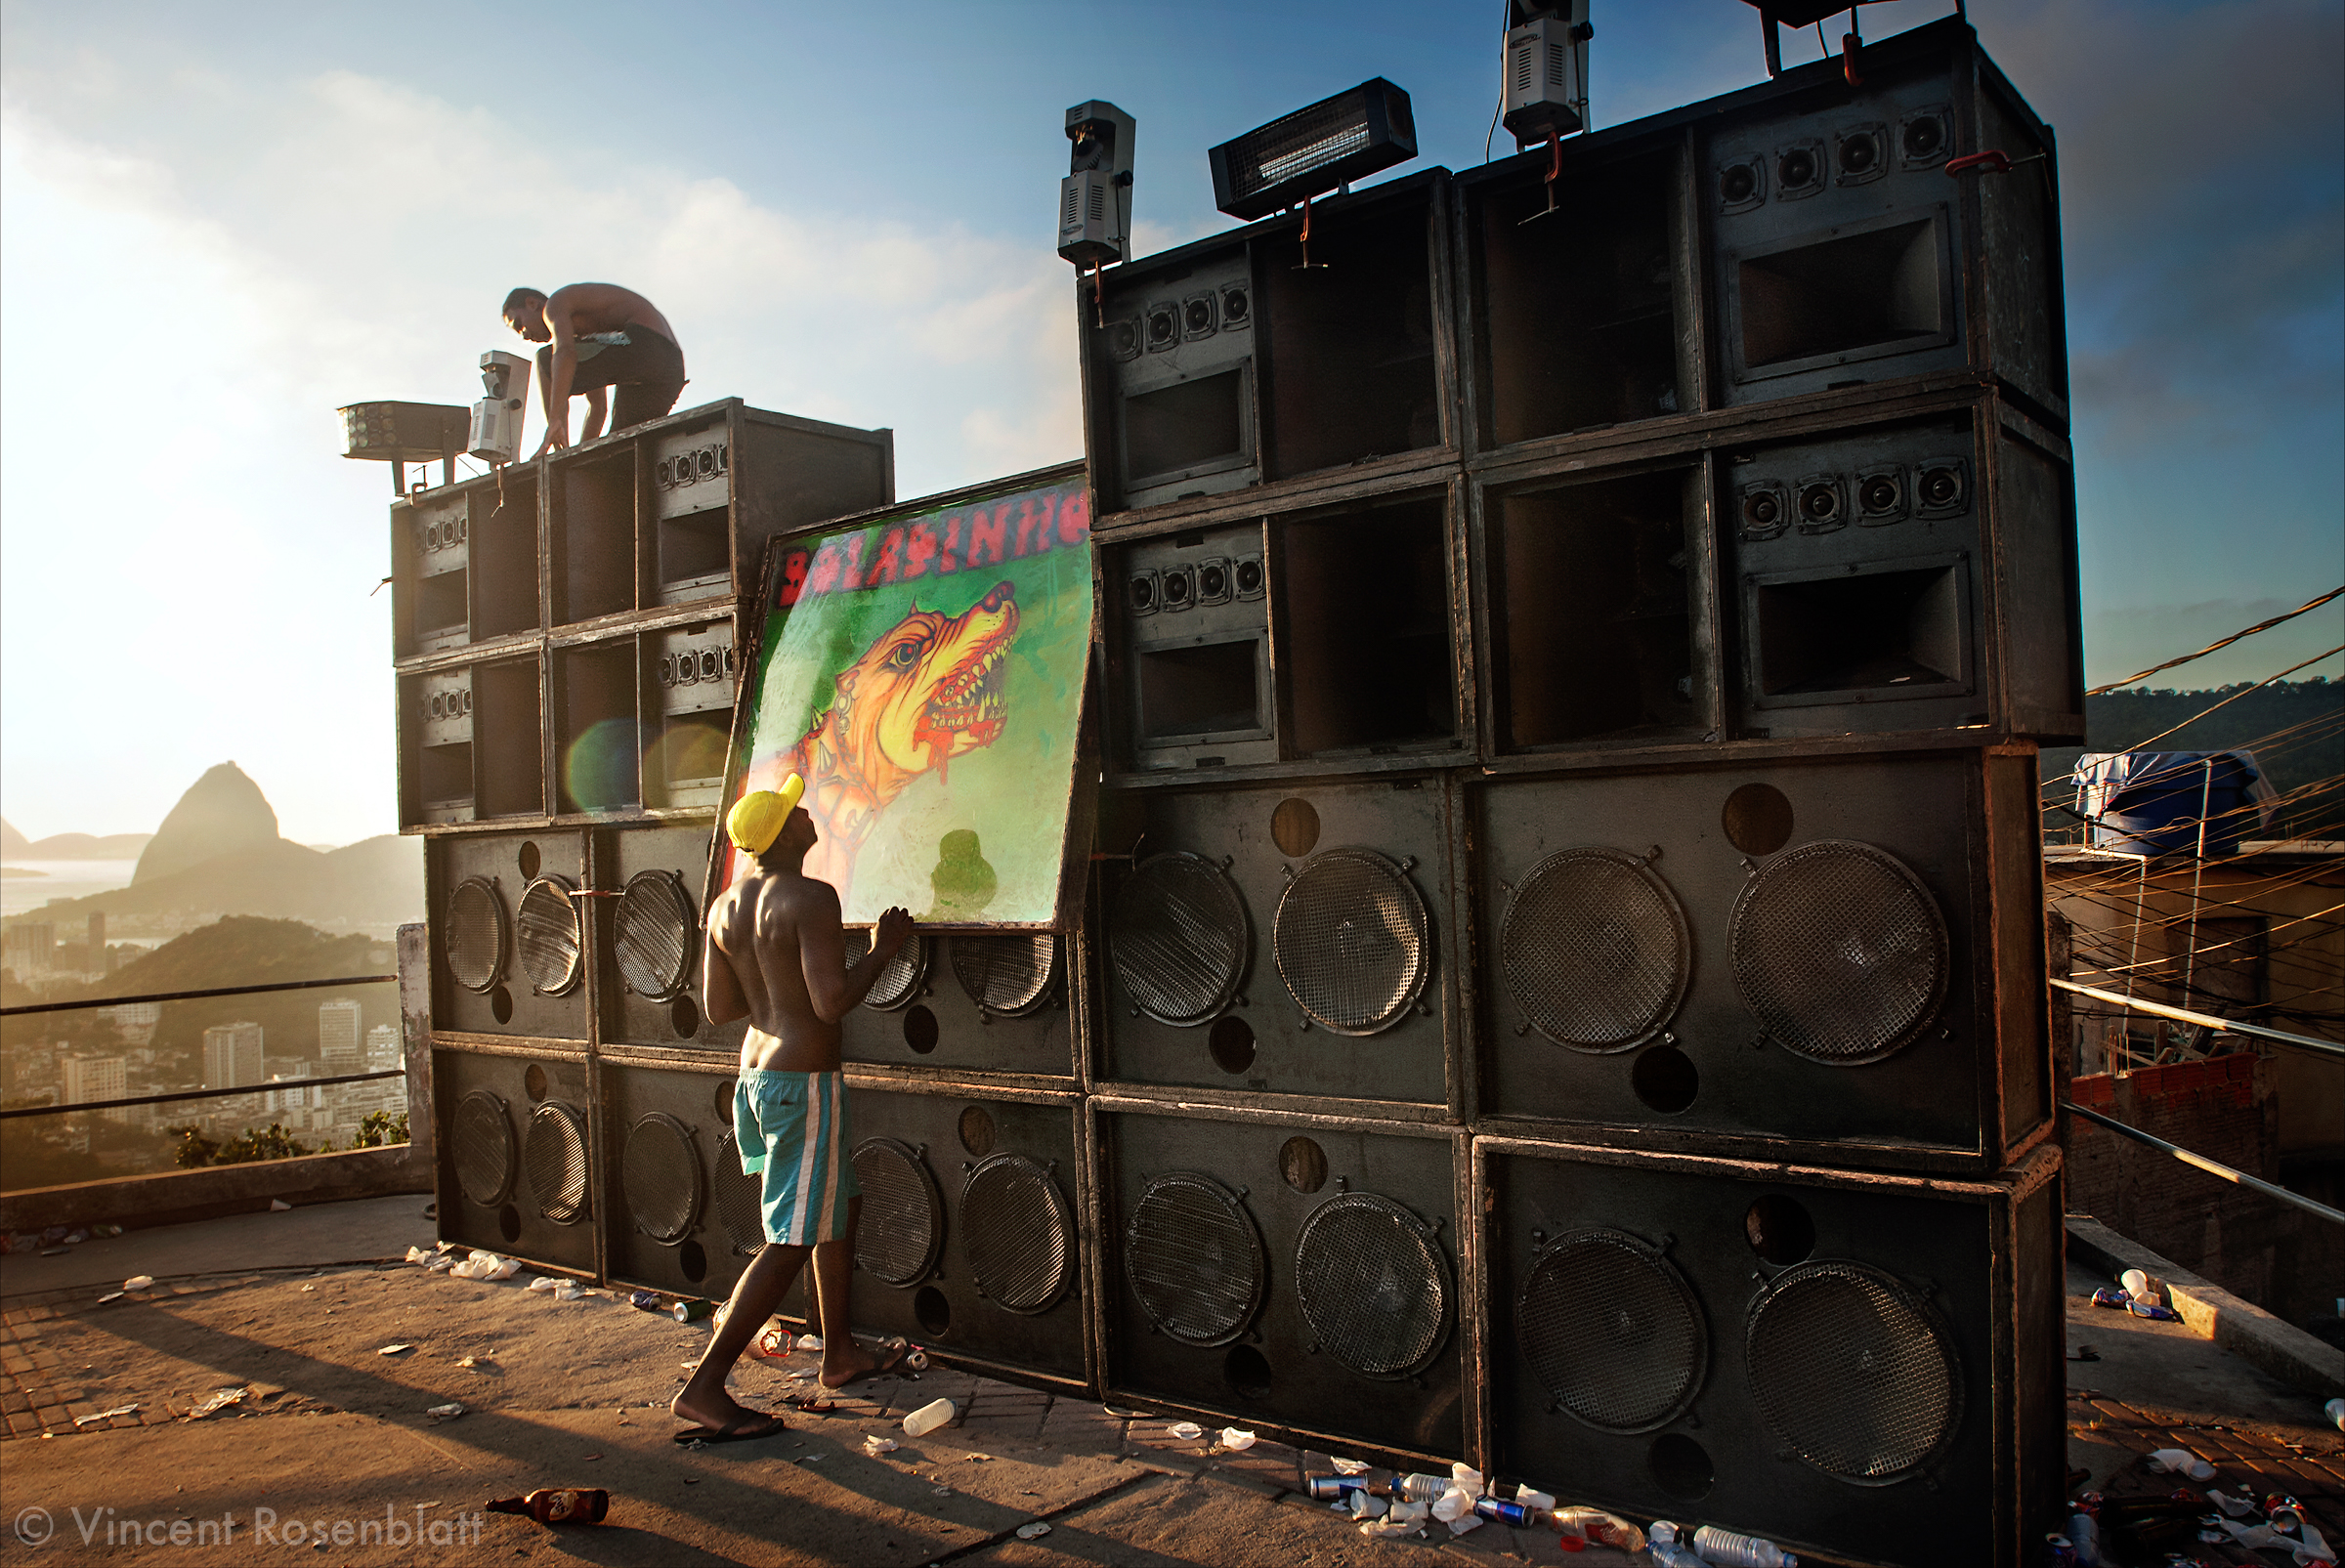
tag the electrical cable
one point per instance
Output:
(2261, 625)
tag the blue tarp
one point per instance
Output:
(2150, 802)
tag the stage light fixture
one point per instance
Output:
(495, 434)
(1314, 150)
(1094, 200)
(1546, 69)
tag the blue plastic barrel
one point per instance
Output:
(2150, 802)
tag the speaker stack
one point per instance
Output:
(564, 645)
(1569, 912)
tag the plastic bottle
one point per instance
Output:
(559, 1505)
(1662, 1542)
(1594, 1524)
(2085, 1534)
(1418, 1488)
(929, 1416)
(1729, 1549)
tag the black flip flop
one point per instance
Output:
(890, 1365)
(747, 1429)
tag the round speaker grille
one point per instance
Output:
(902, 1223)
(1008, 975)
(548, 929)
(483, 1149)
(1595, 950)
(553, 1157)
(474, 935)
(1373, 1285)
(660, 1173)
(1853, 1372)
(1194, 1259)
(1840, 951)
(1353, 941)
(1614, 1331)
(1019, 1233)
(655, 930)
(901, 978)
(1178, 938)
(740, 1198)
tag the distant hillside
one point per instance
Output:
(2295, 728)
(223, 813)
(242, 951)
(16, 846)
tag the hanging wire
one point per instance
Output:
(1507, 15)
(2261, 625)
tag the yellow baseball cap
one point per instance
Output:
(757, 817)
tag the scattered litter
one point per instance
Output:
(1349, 1467)
(307, 1289)
(485, 1267)
(1589, 1524)
(468, 1362)
(1186, 1431)
(216, 1402)
(2147, 1289)
(571, 1290)
(929, 1416)
(1365, 1507)
(1236, 1441)
(1732, 1550)
(106, 1414)
(977, 1458)
(543, 1282)
(940, 1491)
(594, 1456)
(1127, 1415)
(1462, 1523)
(446, 1413)
(277, 1206)
(916, 1360)
(873, 1445)
(1401, 1519)
(2236, 1507)
(57, 1251)
(436, 1260)
(1033, 1532)
(810, 1341)
(692, 1312)
(392, 1350)
(111, 1295)
(138, 1281)
(2084, 1353)
(2181, 1461)
(1465, 1478)
(771, 1342)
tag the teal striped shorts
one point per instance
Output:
(792, 1130)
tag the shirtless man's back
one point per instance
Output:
(776, 955)
(598, 335)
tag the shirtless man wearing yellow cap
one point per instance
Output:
(776, 955)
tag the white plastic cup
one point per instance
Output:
(929, 1418)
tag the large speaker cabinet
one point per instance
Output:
(1829, 959)
(508, 938)
(1289, 940)
(1858, 1365)
(1299, 1273)
(970, 1238)
(649, 935)
(472, 741)
(678, 1212)
(1227, 363)
(1321, 635)
(464, 564)
(514, 1153)
(963, 1003)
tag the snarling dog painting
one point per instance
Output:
(924, 674)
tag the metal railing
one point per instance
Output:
(2227, 1026)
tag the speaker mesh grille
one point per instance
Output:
(660, 1176)
(900, 978)
(1194, 1259)
(655, 930)
(483, 1149)
(1008, 974)
(548, 923)
(740, 1198)
(1852, 1373)
(1178, 938)
(1351, 941)
(1595, 950)
(1612, 1331)
(474, 936)
(902, 1228)
(1373, 1285)
(1840, 951)
(1019, 1233)
(554, 1159)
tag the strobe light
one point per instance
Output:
(1314, 150)
(1547, 71)
(495, 434)
(1094, 200)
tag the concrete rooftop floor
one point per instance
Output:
(294, 1307)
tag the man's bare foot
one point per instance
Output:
(713, 1409)
(845, 1362)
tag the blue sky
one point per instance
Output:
(219, 224)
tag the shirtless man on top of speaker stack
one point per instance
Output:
(598, 335)
(776, 955)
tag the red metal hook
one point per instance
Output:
(1306, 238)
(1994, 160)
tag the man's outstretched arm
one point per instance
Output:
(832, 985)
(559, 374)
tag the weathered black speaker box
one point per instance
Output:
(1227, 364)
(464, 564)
(1357, 599)
(1299, 1274)
(1910, 576)
(969, 1243)
(508, 943)
(1862, 1366)
(690, 677)
(1827, 958)
(1292, 940)
(515, 1134)
(650, 940)
(678, 1212)
(1841, 252)
(472, 741)
(967, 1002)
